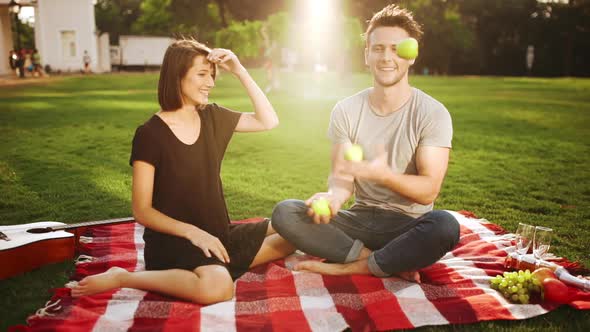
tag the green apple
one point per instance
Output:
(354, 153)
(407, 49)
(321, 207)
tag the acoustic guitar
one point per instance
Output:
(29, 246)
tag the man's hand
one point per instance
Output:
(226, 59)
(375, 170)
(335, 205)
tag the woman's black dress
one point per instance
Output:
(187, 187)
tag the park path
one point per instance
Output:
(10, 80)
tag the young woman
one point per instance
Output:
(191, 250)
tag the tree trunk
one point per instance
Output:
(221, 5)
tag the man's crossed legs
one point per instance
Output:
(367, 240)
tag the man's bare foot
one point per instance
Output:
(357, 267)
(334, 269)
(99, 283)
(321, 267)
(412, 276)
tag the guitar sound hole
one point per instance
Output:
(40, 230)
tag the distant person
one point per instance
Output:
(12, 61)
(272, 61)
(20, 63)
(530, 59)
(191, 249)
(37, 67)
(87, 60)
(406, 136)
(28, 63)
(272, 65)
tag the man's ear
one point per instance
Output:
(366, 56)
(412, 61)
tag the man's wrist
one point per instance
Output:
(386, 178)
(336, 196)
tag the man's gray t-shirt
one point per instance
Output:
(421, 121)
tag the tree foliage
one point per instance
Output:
(278, 26)
(116, 17)
(242, 37)
(488, 37)
(253, 9)
(155, 18)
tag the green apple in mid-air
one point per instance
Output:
(354, 153)
(407, 49)
(321, 207)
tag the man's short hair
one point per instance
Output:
(178, 59)
(394, 16)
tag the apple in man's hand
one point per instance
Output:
(321, 207)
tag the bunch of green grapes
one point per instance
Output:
(516, 287)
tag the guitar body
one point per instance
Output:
(26, 251)
(29, 246)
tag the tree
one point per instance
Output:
(196, 18)
(155, 18)
(561, 35)
(243, 38)
(502, 34)
(447, 42)
(116, 17)
(253, 9)
(221, 5)
(26, 34)
(278, 27)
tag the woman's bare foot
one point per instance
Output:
(99, 283)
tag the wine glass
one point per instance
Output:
(542, 241)
(524, 238)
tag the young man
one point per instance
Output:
(406, 136)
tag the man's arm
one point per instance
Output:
(340, 186)
(422, 188)
(432, 163)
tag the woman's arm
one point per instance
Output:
(264, 116)
(145, 214)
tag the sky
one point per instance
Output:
(27, 14)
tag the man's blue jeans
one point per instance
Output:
(398, 242)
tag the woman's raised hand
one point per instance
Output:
(225, 59)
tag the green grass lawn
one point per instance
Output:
(521, 151)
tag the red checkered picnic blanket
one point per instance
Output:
(455, 290)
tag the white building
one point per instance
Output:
(64, 30)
